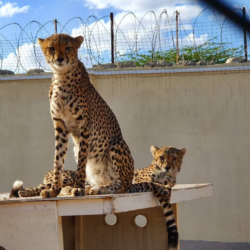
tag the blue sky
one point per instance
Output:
(25, 11)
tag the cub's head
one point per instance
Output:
(169, 159)
(60, 50)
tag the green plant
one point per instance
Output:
(208, 51)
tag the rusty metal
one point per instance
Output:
(55, 26)
(177, 37)
(112, 36)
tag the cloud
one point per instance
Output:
(187, 8)
(27, 56)
(136, 28)
(10, 9)
(193, 40)
(139, 5)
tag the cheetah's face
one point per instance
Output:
(60, 50)
(169, 159)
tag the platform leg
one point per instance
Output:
(29, 226)
(176, 216)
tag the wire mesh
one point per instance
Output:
(138, 42)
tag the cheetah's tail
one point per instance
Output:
(17, 185)
(163, 195)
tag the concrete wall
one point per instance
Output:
(26, 133)
(207, 114)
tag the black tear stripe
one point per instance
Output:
(67, 57)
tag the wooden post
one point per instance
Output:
(245, 33)
(177, 37)
(112, 36)
(55, 26)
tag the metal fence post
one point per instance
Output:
(55, 26)
(112, 36)
(177, 37)
(245, 33)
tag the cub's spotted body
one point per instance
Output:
(77, 109)
(164, 168)
(159, 177)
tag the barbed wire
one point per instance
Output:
(140, 40)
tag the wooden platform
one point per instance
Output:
(68, 223)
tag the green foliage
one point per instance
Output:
(208, 51)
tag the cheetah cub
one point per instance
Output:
(78, 110)
(160, 177)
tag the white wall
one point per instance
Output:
(210, 116)
(207, 114)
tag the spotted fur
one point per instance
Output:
(68, 177)
(160, 177)
(77, 109)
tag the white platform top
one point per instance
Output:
(112, 203)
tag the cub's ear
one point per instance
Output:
(40, 41)
(153, 150)
(78, 41)
(183, 150)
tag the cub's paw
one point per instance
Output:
(66, 190)
(46, 193)
(78, 192)
(98, 190)
(24, 193)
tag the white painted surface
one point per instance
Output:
(117, 203)
(128, 202)
(191, 192)
(35, 223)
(80, 207)
(30, 226)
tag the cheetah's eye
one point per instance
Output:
(52, 49)
(67, 48)
(174, 158)
(162, 158)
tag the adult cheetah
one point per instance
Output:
(78, 109)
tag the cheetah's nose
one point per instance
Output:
(60, 59)
(167, 168)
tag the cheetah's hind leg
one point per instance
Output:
(123, 167)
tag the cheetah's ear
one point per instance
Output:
(78, 40)
(153, 150)
(40, 41)
(183, 150)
